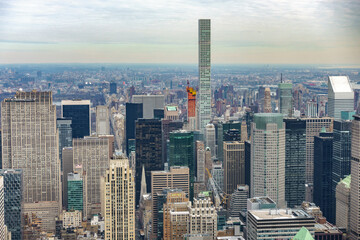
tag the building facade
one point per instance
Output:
(79, 112)
(234, 165)
(65, 135)
(285, 96)
(340, 96)
(343, 203)
(102, 120)
(134, 111)
(75, 191)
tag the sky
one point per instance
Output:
(166, 31)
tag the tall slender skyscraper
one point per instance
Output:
(119, 201)
(268, 157)
(30, 143)
(204, 73)
(355, 180)
(79, 112)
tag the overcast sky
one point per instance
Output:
(165, 31)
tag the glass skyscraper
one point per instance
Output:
(285, 95)
(204, 73)
(134, 111)
(75, 192)
(295, 161)
(13, 201)
(79, 112)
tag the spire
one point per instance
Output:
(143, 183)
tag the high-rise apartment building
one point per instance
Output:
(181, 153)
(268, 157)
(148, 151)
(295, 161)
(176, 178)
(119, 201)
(79, 112)
(65, 135)
(211, 139)
(234, 165)
(102, 120)
(149, 103)
(286, 101)
(28, 122)
(343, 203)
(13, 207)
(204, 100)
(75, 191)
(354, 220)
(92, 153)
(313, 128)
(278, 223)
(340, 96)
(323, 197)
(134, 111)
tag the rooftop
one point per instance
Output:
(346, 181)
(340, 84)
(279, 214)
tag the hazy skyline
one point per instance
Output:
(247, 31)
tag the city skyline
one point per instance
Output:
(274, 32)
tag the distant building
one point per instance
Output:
(171, 113)
(119, 201)
(286, 99)
(343, 203)
(102, 120)
(65, 135)
(149, 103)
(340, 95)
(278, 223)
(134, 111)
(234, 165)
(211, 139)
(79, 112)
(71, 219)
(267, 101)
(113, 88)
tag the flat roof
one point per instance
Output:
(75, 102)
(268, 214)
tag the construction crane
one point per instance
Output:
(220, 199)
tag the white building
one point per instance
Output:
(102, 120)
(340, 96)
(211, 139)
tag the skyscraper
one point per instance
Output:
(355, 180)
(295, 161)
(343, 203)
(268, 157)
(92, 153)
(102, 120)
(13, 201)
(113, 88)
(79, 112)
(191, 105)
(234, 165)
(134, 111)
(119, 201)
(203, 218)
(286, 101)
(149, 103)
(75, 191)
(65, 135)
(340, 95)
(267, 101)
(239, 200)
(211, 139)
(31, 116)
(204, 100)
(323, 197)
(148, 151)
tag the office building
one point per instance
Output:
(340, 96)
(248, 163)
(181, 153)
(211, 139)
(65, 135)
(134, 111)
(354, 220)
(268, 157)
(79, 112)
(75, 191)
(217, 172)
(343, 203)
(313, 128)
(278, 223)
(204, 100)
(148, 151)
(149, 103)
(68, 167)
(167, 127)
(102, 120)
(13, 201)
(323, 197)
(113, 88)
(295, 161)
(176, 178)
(234, 165)
(42, 213)
(203, 218)
(171, 113)
(267, 101)
(119, 201)
(176, 221)
(71, 219)
(92, 153)
(200, 159)
(31, 116)
(2, 210)
(311, 109)
(260, 203)
(285, 96)
(239, 200)
(341, 152)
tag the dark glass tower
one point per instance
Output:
(295, 161)
(113, 87)
(13, 201)
(148, 151)
(181, 153)
(323, 151)
(65, 134)
(79, 112)
(134, 111)
(248, 163)
(167, 127)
